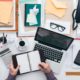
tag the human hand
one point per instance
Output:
(45, 67)
(13, 71)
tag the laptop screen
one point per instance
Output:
(53, 39)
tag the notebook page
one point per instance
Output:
(34, 58)
(23, 62)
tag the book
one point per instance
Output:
(28, 61)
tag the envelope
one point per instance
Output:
(56, 7)
(5, 11)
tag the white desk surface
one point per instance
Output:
(67, 66)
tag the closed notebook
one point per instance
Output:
(5, 11)
(28, 61)
(55, 7)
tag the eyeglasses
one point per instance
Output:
(54, 26)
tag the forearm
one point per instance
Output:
(50, 76)
(10, 77)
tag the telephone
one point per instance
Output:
(76, 16)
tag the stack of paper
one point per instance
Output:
(56, 7)
(5, 12)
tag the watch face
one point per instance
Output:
(21, 43)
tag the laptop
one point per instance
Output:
(54, 47)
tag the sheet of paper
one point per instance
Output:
(34, 60)
(23, 62)
(65, 24)
(52, 9)
(5, 11)
(31, 18)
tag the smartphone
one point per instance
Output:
(77, 59)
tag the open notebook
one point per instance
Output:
(28, 61)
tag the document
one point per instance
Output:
(23, 62)
(5, 11)
(55, 7)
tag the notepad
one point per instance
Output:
(28, 61)
(5, 11)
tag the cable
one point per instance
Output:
(74, 25)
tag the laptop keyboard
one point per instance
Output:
(49, 53)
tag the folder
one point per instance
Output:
(55, 7)
(5, 11)
(10, 23)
